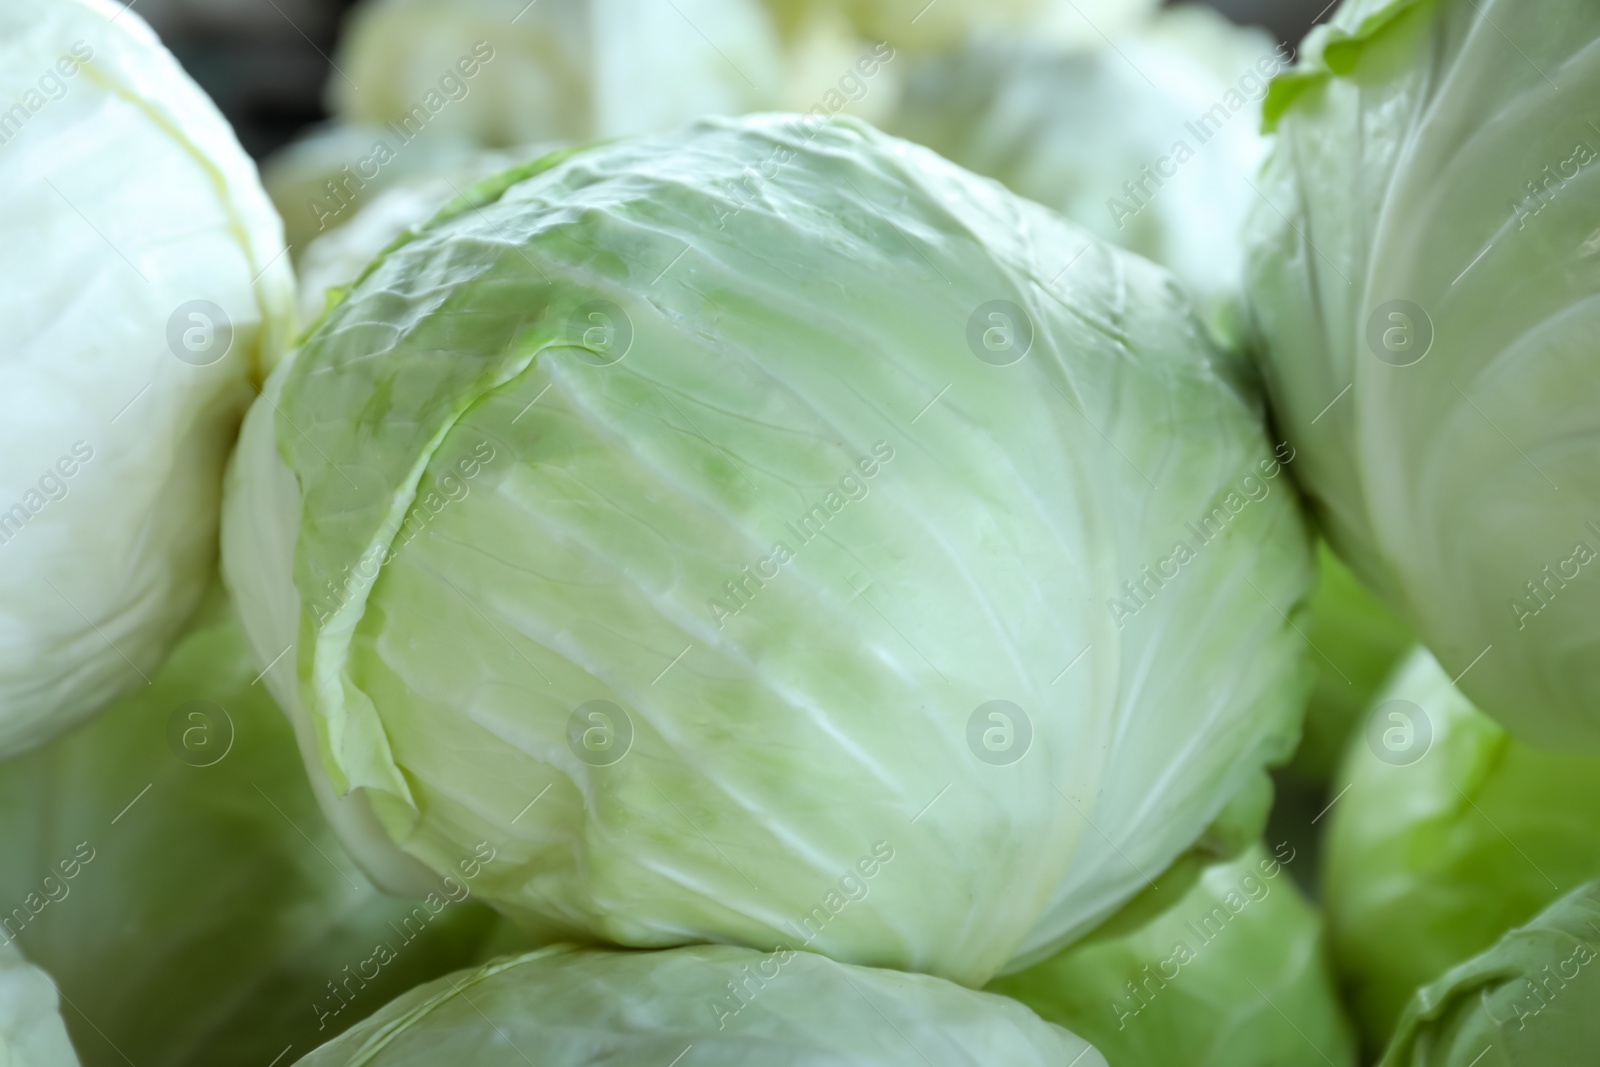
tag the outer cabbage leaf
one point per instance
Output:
(1237, 828)
(483, 520)
(557, 70)
(1539, 976)
(713, 1006)
(143, 293)
(1428, 862)
(1174, 108)
(167, 865)
(1233, 974)
(1357, 643)
(31, 1031)
(1423, 274)
(338, 257)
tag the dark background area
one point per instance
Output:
(1287, 20)
(265, 61)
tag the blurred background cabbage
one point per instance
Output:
(1079, 104)
(267, 63)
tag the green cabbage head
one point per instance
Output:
(1232, 975)
(711, 1006)
(865, 560)
(167, 865)
(1530, 1000)
(1448, 833)
(31, 1031)
(143, 296)
(1424, 266)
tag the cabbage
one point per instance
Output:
(167, 865)
(1450, 837)
(31, 1031)
(505, 72)
(503, 499)
(337, 258)
(1423, 277)
(1080, 129)
(1539, 977)
(569, 1007)
(143, 293)
(1233, 975)
(1356, 644)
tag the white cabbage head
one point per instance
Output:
(869, 561)
(570, 1007)
(1424, 274)
(143, 295)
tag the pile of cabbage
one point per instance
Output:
(795, 531)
